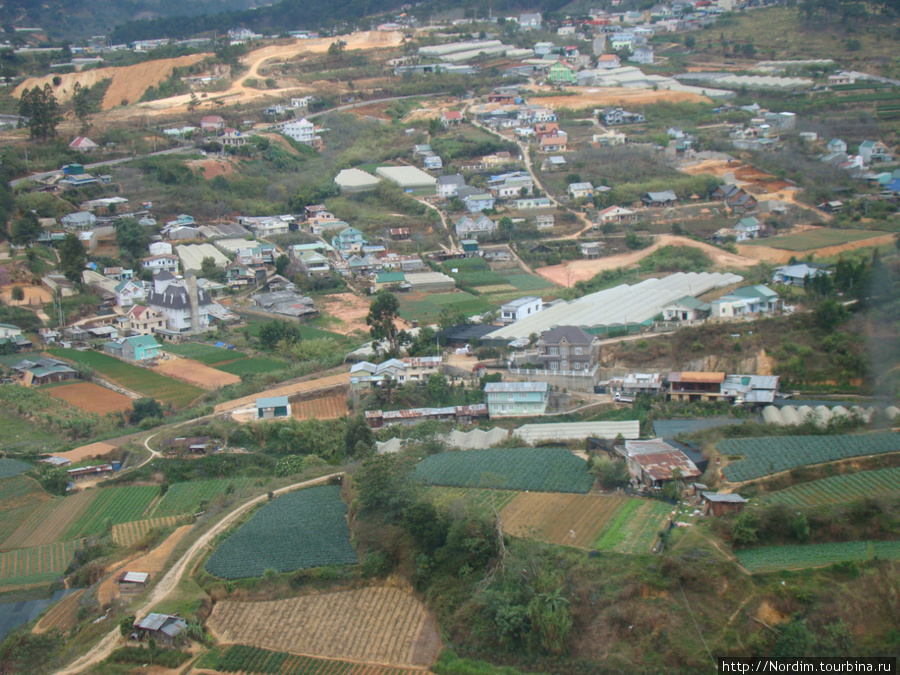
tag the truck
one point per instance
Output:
(622, 398)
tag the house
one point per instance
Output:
(753, 390)
(760, 299)
(165, 629)
(636, 384)
(516, 399)
(129, 293)
(608, 61)
(349, 240)
(659, 199)
(568, 348)
(399, 233)
(163, 261)
(467, 228)
(742, 202)
(529, 203)
(475, 199)
(721, 503)
(101, 470)
(433, 162)
(581, 190)
(302, 131)
(514, 310)
(836, 145)
(83, 144)
(554, 163)
(544, 48)
(616, 214)
(450, 118)
(616, 116)
(694, 386)
(233, 138)
(687, 308)
(10, 332)
(238, 275)
(135, 349)
(448, 186)
(747, 228)
(591, 250)
(797, 274)
(724, 192)
(642, 55)
(171, 298)
(389, 280)
(142, 320)
(874, 152)
(212, 123)
(313, 263)
(609, 137)
(272, 408)
(654, 462)
(44, 371)
(530, 21)
(80, 220)
(556, 143)
(563, 73)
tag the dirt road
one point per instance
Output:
(172, 578)
(582, 270)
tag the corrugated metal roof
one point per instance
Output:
(662, 465)
(514, 387)
(134, 577)
(704, 378)
(724, 497)
(272, 402)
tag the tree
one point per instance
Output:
(275, 332)
(193, 102)
(359, 441)
(126, 624)
(689, 41)
(506, 227)
(281, 264)
(438, 389)
(25, 229)
(145, 408)
(54, 479)
(72, 258)
(209, 270)
(830, 313)
(385, 485)
(336, 49)
(132, 238)
(18, 295)
(42, 110)
(81, 106)
(383, 312)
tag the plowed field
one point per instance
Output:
(380, 625)
(49, 521)
(126, 534)
(91, 397)
(62, 616)
(573, 520)
(306, 387)
(327, 408)
(98, 449)
(195, 372)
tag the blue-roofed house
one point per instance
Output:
(272, 408)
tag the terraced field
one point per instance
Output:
(327, 408)
(50, 521)
(635, 528)
(20, 491)
(36, 564)
(837, 489)
(244, 659)
(113, 505)
(776, 558)
(62, 616)
(187, 498)
(127, 534)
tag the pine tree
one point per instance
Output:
(72, 258)
(42, 110)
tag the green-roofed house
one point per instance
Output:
(760, 299)
(136, 348)
(388, 279)
(687, 308)
(272, 407)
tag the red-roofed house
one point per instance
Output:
(212, 123)
(83, 144)
(451, 117)
(608, 61)
(142, 320)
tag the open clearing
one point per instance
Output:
(35, 296)
(568, 273)
(613, 96)
(195, 372)
(62, 616)
(815, 237)
(327, 408)
(383, 625)
(349, 308)
(91, 397)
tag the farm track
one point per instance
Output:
(62, 616)
(49, 521)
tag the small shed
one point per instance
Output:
(719, 503)
(272, 407)
(166, 629)
(132, 582)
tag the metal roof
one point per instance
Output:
(514, 387)
(662, 465)
(134, 577)
(356, 178)
(406, 176)
(724, 497)
(272, 402)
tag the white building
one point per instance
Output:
(163, 261)
(518, 309)
(171, 298)
(302, 131)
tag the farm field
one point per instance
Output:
(326, 408)
(427, 308)
(635, 527)
(98, 449)
(539, 469)
(815, 238)
(126, 534)
(116, 505)
(20, 491)
(766, 456)
(184, 498)
(837, 489)
(11, 519)
(62, 616)
(252, 366)
(477, 501)
(244, 659)
(209, 355)
(386, 625)
(12, 467)
(196, 373)
(303, 529)
(305, 387)
(50, 521)
(91, 397)
(775, 558)
(140, 380)
(37, 563)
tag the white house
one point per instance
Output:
(747, 228)
(302, 131)
(797, 274)
(530, 21)
(129, 293)
(160, 248)
(642, 55)
(170, 297)
(514, 310)
(581, 190)
(608, 61)
(468, 228)
(80, 220)
(448, 186)
(163, 261)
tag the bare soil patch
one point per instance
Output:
(380, 624)
(567, 274)
(35, 296)
(210, 168)
(615, 96)
(195, 372)
(349, 308)
(783, 257)
(91, 397)
(567, 519)
(325, 408)
(98, 449)
(299, 388)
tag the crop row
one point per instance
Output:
(539, 469)
(111, 507)
(766, 456)
(48, 561)
(772, 558)
(303, 529)
(187, 498)
(244, 659)
(836, 489)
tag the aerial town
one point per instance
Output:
(449, 338)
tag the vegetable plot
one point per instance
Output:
(536, 469)
(12, 467)
(773, 558)
(36, 564)
(113, 506)
(766, 456)
(299, 530)
(836, 489)
(244, 659)
(185, 498)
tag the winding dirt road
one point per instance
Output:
(173, 577)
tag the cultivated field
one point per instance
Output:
(12, 467)
(837, 489)
(776, 558)
(326, 408)
(91, 397)
(307, 387)
(815, 237)
(768, 253)
(303, 529)
(50, 521)
(36, 564)
(605, 522)
(11, 519)
(196, 373)
(251, 366)
(543, 469)
(140, 380)
(112, 505)
(126, 534)
(476, 501)
(383, 625)
(188, 497)
(62, 616)
(20, 491)
(244, 659)
(209, 355)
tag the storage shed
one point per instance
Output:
(272, 407)
(719, 503)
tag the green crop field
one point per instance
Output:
(303, 529)
(245, 659)
(12, 518)
(837, 489)
(118, 504)
(541, 469)
(818, 238)
(184, 498)
(208, 354)
(36, 564)
(428, 308)
(635, 527)
(775, 558)
(527, 282)
(141, 380)
(253, 365)
(766, 456)
(477, 501)
(308, 332)
(12, 467)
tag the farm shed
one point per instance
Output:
(132, 582)
(461, 414)
(430, 282)
(90, 471)
(718, 504)
(273, 407)
(164, 628)
(196, 444)
(655, 461)
(55, 461)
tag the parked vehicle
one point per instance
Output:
(622, 398)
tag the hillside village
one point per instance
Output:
(441, 342)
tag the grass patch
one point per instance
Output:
(207, 354)
(427, 309)
(252, 366)
(811, 239)
(527, 282)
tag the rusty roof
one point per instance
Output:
(661, 465)
(688, 376)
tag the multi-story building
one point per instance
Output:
(516, 399)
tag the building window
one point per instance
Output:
(577, 351)
(553, 351)
(554, 365)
